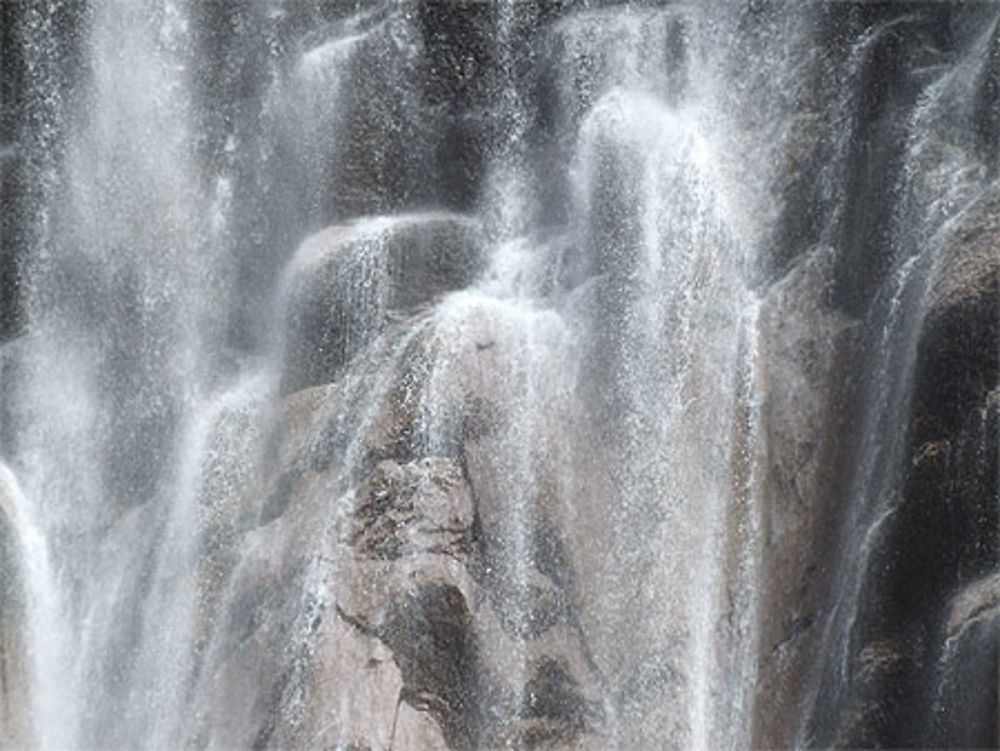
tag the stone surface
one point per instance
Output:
(946, 536)
(378, 556)
(345, 282)
(415, 73)
(971, 261)
(941, 528)
(803, 346)
(965, 711)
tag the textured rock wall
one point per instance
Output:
(369, 605)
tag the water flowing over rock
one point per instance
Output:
(529, 374)
(13, 709)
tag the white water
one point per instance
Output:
(615, 329)
(127, 547)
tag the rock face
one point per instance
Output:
(947, 535)
(409, 635)
(636, 384)
(936, 530)
(904, 511)
(965, 712)
(805, 341)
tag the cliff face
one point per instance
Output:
(559, 375)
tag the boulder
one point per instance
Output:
(422, 506)
(345, 282)
(416, 583)
(333, 613)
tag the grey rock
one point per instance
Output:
(388, 103)
(970, 262)
(803, 346)
(941, 532)
(364, 526)
(965, 709)
(361, 127)
(345, 281)
(424, 507)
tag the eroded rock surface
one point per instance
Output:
(376, 592)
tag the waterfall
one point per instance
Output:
(401, 374)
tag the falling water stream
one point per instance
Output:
(271, 251)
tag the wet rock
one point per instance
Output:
(363, 140)
(893, 45)
(356, 691)
(965, 709)
(383, 531)
(491, 397)
(406, 583)
(944, 531)
(803, 347)
(14, 722)
(965, 713)
(11, 598)
(430, 633)
(392, 104)
(247, 666)
(416, 730)
(12, 235)
(346, 280)
(554, 708)
(323, 591)
(968, 269)
(390, 523)
(457, 40)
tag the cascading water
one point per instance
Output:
(468, 375)
(114, 367)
